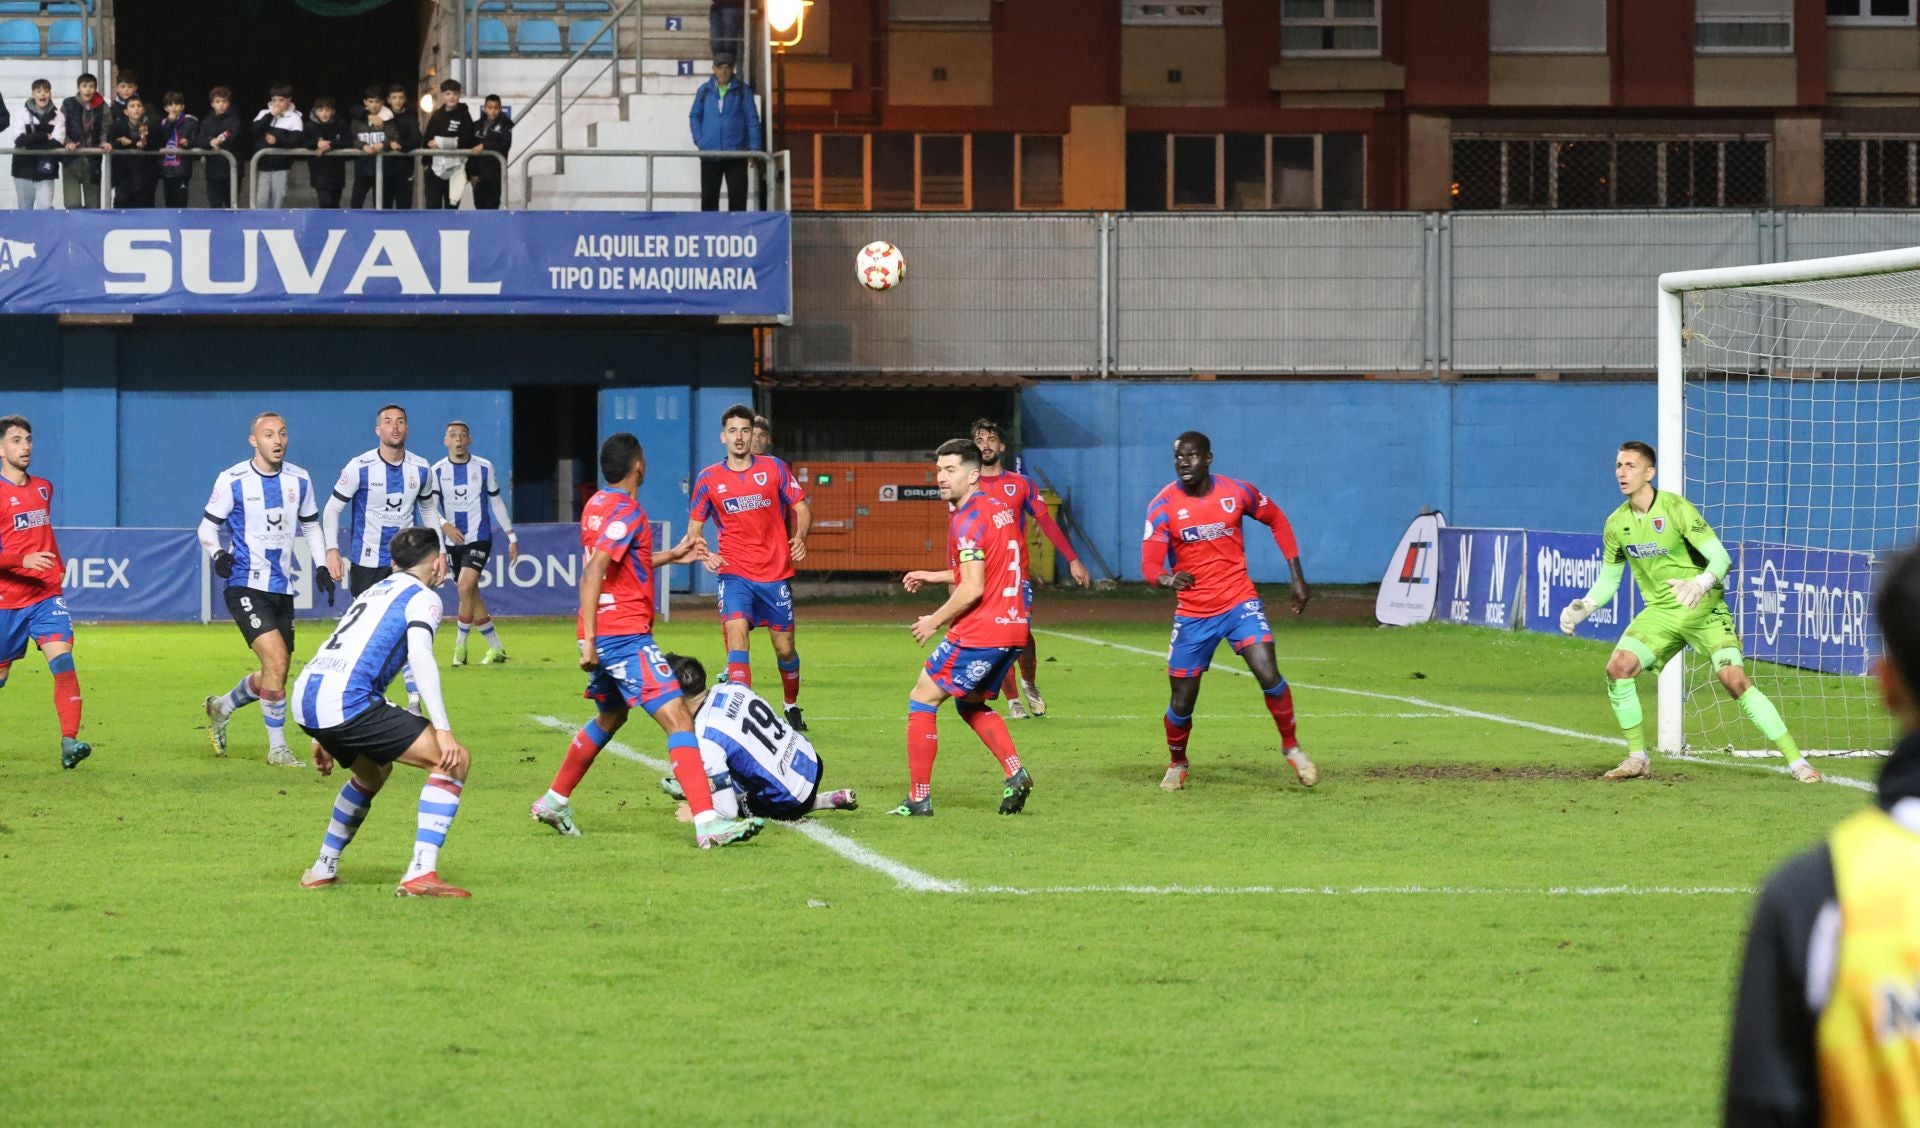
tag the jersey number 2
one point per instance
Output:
(346, 624)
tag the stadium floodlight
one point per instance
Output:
(1789, 413)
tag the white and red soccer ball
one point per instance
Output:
(880, 265)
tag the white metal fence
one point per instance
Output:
(1378, 292)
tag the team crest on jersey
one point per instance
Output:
(1659, 524)
(1228, 503)
(1011, 489)
(45, 494)
(760, 479)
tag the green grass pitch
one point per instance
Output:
(1459, 925)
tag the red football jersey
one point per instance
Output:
(26, 526)
(1202, 536)
(1017, 492)
(751, 507)
(983, 528)
(614, 523)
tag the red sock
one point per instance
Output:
(1028, 657)
(923, 744)
(1010, 688)
(580, 756)
(790, 686)
(1281, 706)
(739, 668)
(66, 702)
(992, 731)
(683, 752)
(1177, 735)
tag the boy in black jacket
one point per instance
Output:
(223, 130)
(134, 177)
(176, 132)
(279, 126)
(36, 174)
(404, 137)
(327, 132)
(370, 136)
(85, 116)
(493, 133)
(450, 128)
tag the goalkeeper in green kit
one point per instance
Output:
(1680, 566)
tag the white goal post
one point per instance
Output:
(1789, 413)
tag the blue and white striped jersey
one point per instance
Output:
(743, 736)
(351, 671)
(262, 516)
(469, 494)
(381, 499)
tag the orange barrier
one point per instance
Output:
(873, 517)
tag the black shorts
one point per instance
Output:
(473, 554)
(360, 579)
(258, 612)
(792, 811)
(382, 733)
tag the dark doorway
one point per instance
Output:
(555, 460)
(247, 45)
(884, 425)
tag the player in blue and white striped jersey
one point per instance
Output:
(383, 488)
(340, 700)
(260, 507)
(752, 756)
(469, 493)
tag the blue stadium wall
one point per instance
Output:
(133, 426)
(1351, 461)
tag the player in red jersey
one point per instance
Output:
(1193, 545)
(763, 517)
(31, 606)
(617, 650)
(1020, 495)
(985, 619)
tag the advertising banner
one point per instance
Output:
(1479, 576)
(1407, 589)
(1563, 567)
(387, 262)
(131, 575)
(1804, 607)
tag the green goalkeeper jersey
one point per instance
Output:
(1670, 541)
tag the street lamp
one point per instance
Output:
(787, 22)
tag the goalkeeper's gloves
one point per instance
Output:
(323, 580)
(1689, 592)
(223, 564)
(1575, 613)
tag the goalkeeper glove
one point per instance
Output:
(223, 564)
(323, 580)
(1689, 592)
(1576, 613)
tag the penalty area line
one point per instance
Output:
(1497, 718)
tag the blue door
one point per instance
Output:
(662, 417)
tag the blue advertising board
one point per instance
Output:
(1479, 578)
(131, 575)
(1804, 607)
(1562, 568)
(387, 262)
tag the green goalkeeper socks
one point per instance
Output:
(1759, 709)
(1625, 696)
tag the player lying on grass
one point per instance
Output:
(624, 666)
(985, 620)
(1194, 545)
(340, 701)
(755, 761)
(1680, 566)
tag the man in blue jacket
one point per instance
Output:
(723, 119)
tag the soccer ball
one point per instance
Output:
(880, 265)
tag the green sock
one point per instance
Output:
(1759, 709)
(1625, 696)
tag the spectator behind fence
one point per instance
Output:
(222, 130)
(327, 132)
(404, 138)
(450, 128)
(724, 118)
(36, 174)
(370, 135)
(726, 21)
(279, 126)
(85, 118)
(134, 178)
(176, 132)
(493, 133)
(126, 85)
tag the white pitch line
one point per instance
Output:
(1497, 718)
(903, 875)
(901, 717)
(1373, 890)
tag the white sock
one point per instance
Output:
(439, 802)
(704, 817)
(461, 637)
(485, 627)
(555, 799)
(1638, 755)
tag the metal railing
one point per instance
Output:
(106, 157)
(777, 172)
(558, 125)
(415, 156)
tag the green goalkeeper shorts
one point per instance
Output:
(1655, 636)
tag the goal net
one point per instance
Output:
(1790, 393)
